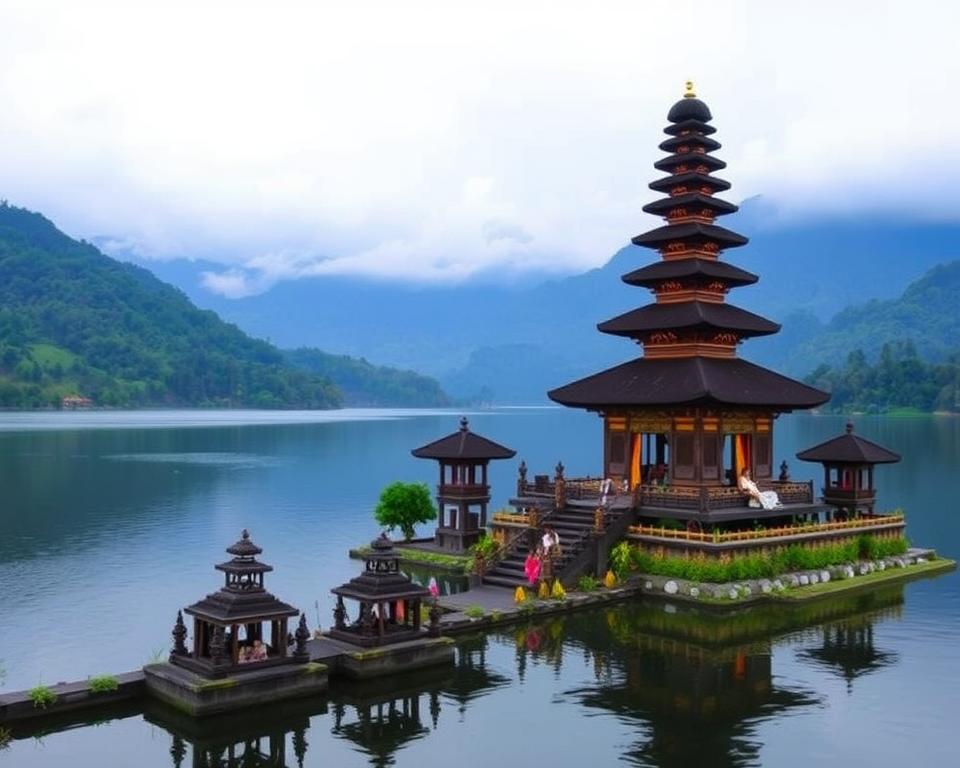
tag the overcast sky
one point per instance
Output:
(438, 141)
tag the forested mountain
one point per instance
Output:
(927, 315)
(899, 380)
(366, 384)
(76, 322)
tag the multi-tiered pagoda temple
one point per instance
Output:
(682, 420)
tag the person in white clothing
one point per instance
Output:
(605, 487)
(758, 498)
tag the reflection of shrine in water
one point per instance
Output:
(848, 649)
(697, 684)
(252, 738)
(382, 717)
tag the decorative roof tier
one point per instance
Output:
(690, 334)
(691, 202)
(688, 381)
(690, 235)
(849, 449)
(707, 269)
(243, 596)
(691, 180)
(712, 315)
(463, 445)
(382, 579)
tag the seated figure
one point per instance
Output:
(758, 498)
(258, 652)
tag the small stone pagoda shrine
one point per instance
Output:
(682, 421)
(228, 625)
(389, 602)
(848, 462)
(462, 458)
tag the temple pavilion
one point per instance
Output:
(389, 602)
(682, 420)
(848, 462)
(463, 491)
(228, 625)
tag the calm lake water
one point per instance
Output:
(113, 521)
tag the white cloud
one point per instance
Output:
(436, 140)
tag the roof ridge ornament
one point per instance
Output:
(464, 424)
(689, 92)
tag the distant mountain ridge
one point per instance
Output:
(511, 343)
(76, 322)
(366, 384)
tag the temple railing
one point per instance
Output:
(718, 537)
(849, 494)
(703, 498)
(706, 498)
(472, 490)
(513, 518)
(575, 487)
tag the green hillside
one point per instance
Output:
(366, 384)
(926, 314)
(76, 322)
(897, 355)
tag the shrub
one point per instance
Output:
(756, 566)
(588, 583)
(104, 684)
(6, 736)
(403, 505)
(487, 549)
(622, 559)
(867, 547)
(891, 547)
(474, 611)
(42, 696)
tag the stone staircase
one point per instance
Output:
(574, 525)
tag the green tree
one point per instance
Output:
(403, 505)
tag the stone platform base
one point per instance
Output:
(200, 696)
(395, 658)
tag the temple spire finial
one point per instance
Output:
(464, 424)
(689, 92)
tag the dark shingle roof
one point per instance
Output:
(689, 314)
(465, 445)
(668, 270)
(693, 231)
(688, 381)
(849, 449)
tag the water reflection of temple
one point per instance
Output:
(848, 649)
(252, 738)
(382, 718)
(696, 685)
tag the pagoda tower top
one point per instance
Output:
(690, 333)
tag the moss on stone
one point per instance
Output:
(213, 685)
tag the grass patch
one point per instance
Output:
(6, 736)
(475, 611)
(213, 685)
(588, 583)
(42, 696)
(49, 355)
(104, 684)
(457, 563)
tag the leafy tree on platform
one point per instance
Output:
(404, 505)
